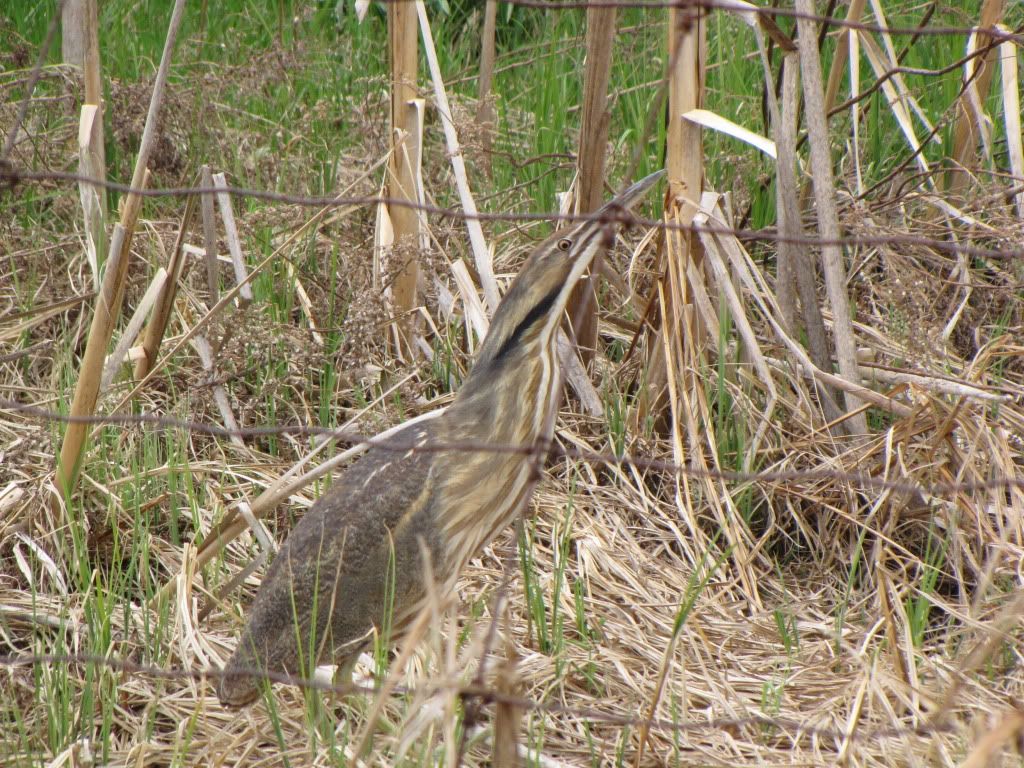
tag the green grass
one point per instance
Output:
(918, 605)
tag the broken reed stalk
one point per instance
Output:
(157, 326)
(122, 350)
(93, 197)
(582, 307)
(210, 237)
(970, 108)
(227, 216)
(783, 129)
(1011, 117)
(684, 165)
(412, 150)
(404, 257)
(220, 395)
(105, 314)
(486, 115)
(477, 242)
(94, 85)
(828, 216)
(92, 162)
(108, 303)
(508, 716)
(787, 255)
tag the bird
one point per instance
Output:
(361, 554)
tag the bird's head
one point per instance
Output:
(532, 307)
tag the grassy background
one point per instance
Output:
(867, 604)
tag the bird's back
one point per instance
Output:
(328, 575)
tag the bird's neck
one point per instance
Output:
(508, 400)
(501, 414)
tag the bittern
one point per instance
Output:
(393, 516)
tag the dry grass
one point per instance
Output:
(805, 618)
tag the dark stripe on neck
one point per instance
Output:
(539, 310)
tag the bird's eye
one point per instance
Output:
(564, 244)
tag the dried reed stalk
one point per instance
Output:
(105, 314)
(968, 129)
(828, 217)
(582, 308)
(403, 49)
(92, 162)
(1011, 116)
(210, 237)
(787, 256)
(803, 275)
(508, 717)
(227, 215)
(93, 79)
(594, 126)
(103, 318)
(841, 57)
(162, 311)
(481, 255)
(791, 256)
(846, 40)
(412, 151)
(131, 330)
(684, 163)
(897, 94)
(486, 116)
(92, 196)
(74, 35)
(108, 303)
(220, 397)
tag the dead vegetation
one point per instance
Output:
(856, 602)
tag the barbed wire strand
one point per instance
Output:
(486, 693)
(1013, 249)
(540, 450)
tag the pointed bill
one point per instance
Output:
(635, 193)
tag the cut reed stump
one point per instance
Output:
(404, 267)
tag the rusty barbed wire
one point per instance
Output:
(484, 692)
(1014, 249)
(541, 450)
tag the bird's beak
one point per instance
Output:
(597, 230)
(633, 194)
(603, 223)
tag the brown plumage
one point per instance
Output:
(363, 542)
